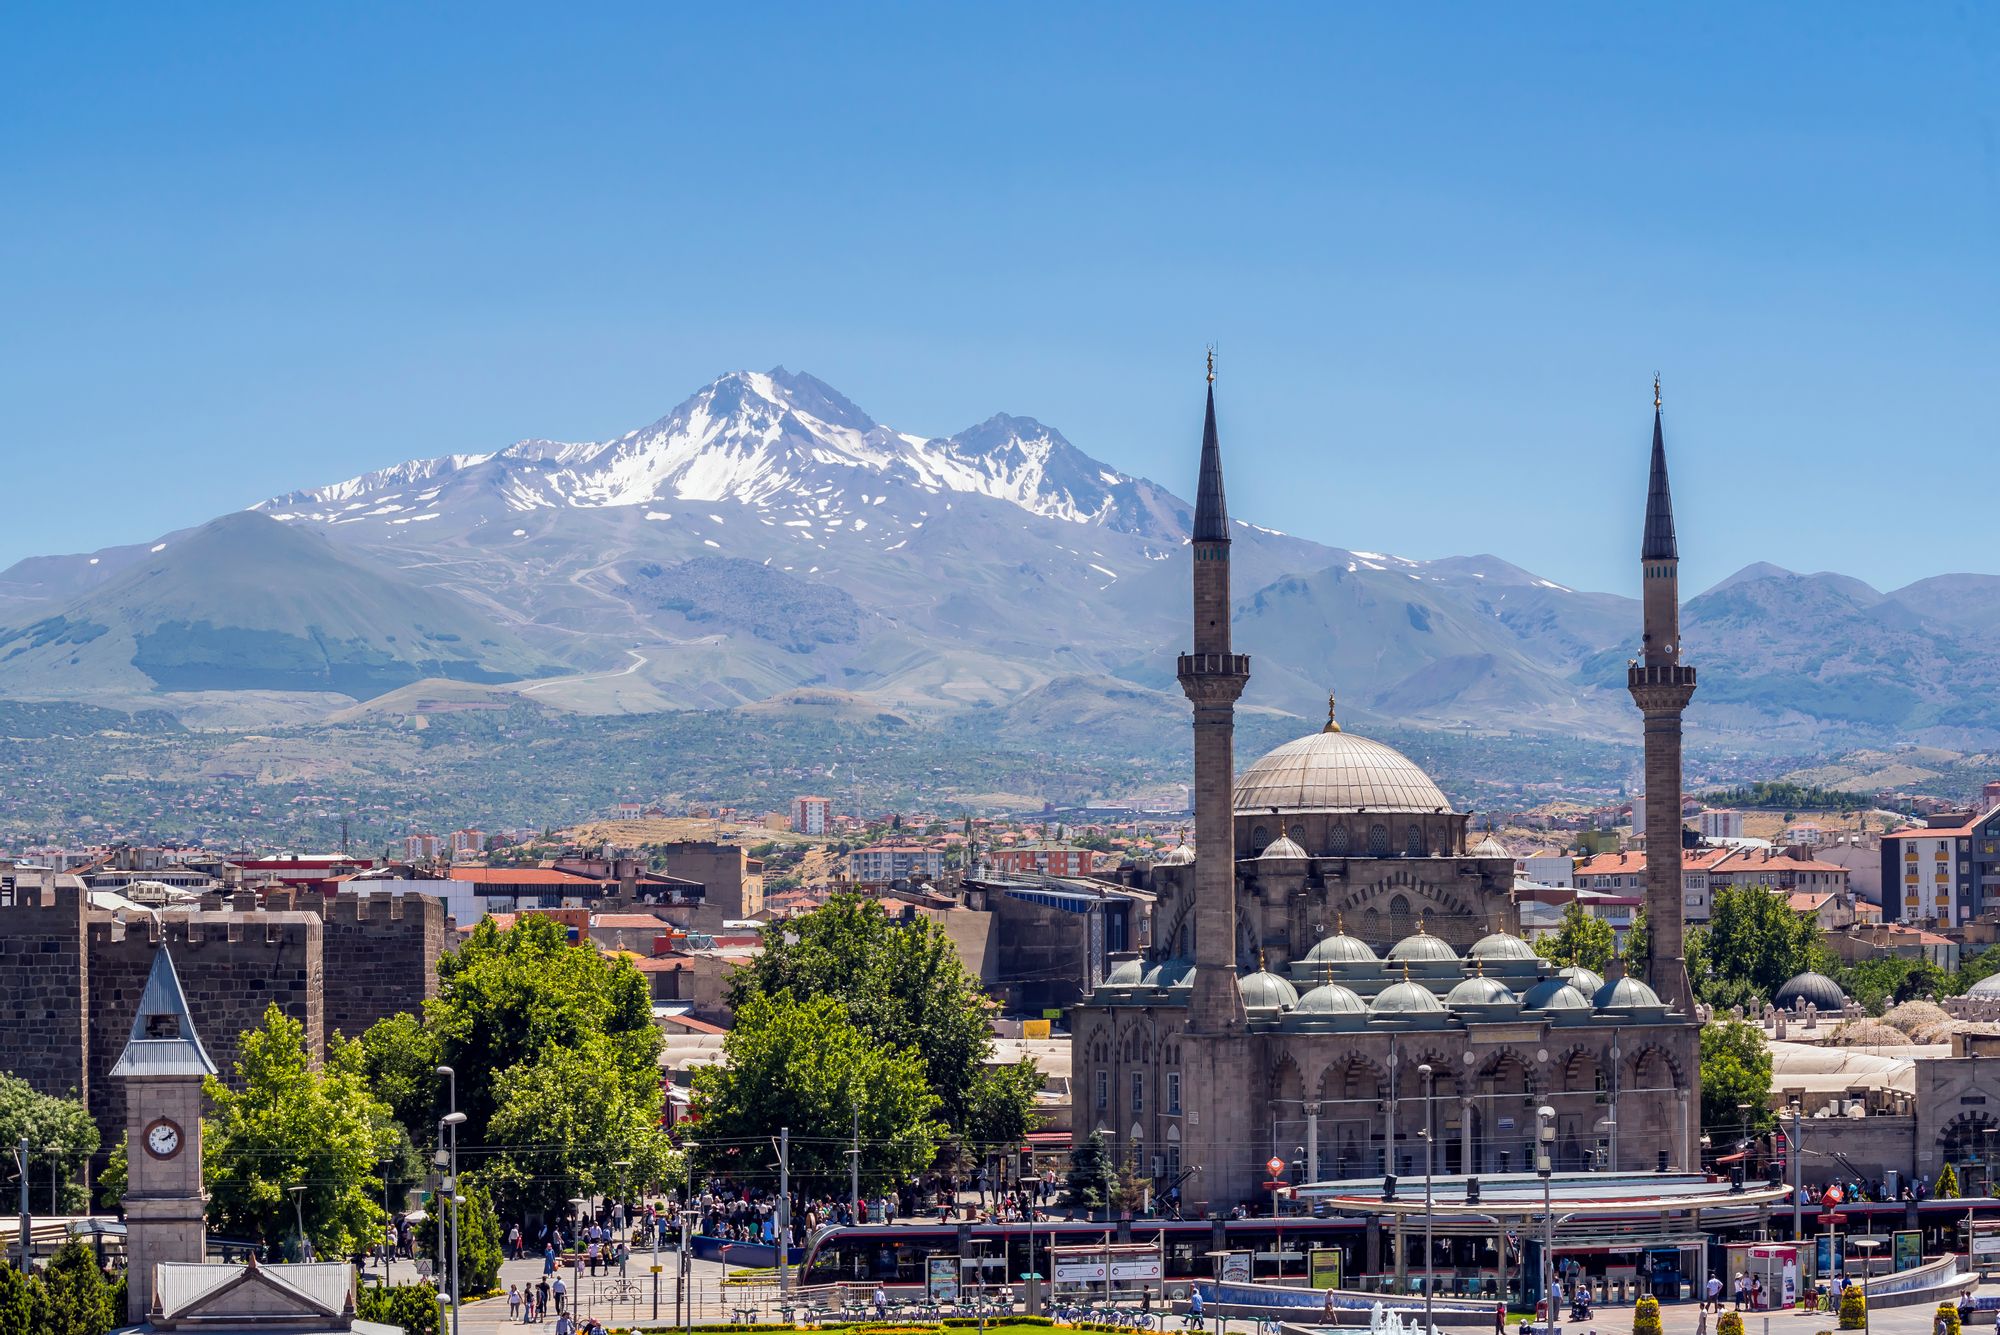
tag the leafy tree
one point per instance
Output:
(902, 985)
(414, 1307)
(24, 1303)
(1947, 1184)
(1753, 937)
(1853, 1309)
(572, 1114)
(43, 1120)
(294, 1124)
(803, 1065)
(80, 1298)
(1128, 1187)
(1735, 1070)
(1646, 1316)
(1880, 983)
(1581, 940)
(1090, 1179)
(479, 1250)
(1973, 968)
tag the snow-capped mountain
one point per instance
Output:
(787, 445)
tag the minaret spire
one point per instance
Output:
(1211, 509)
(1659, 542)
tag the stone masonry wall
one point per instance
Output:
(42, 989)
(231, 965)
(381, 956)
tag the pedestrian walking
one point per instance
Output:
(560, 1290)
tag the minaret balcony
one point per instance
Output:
(1213, 665)
(1660, 686)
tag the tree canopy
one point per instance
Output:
(804, 1065)
(1735, 1070)
(1752, 944)
(294, 1124)
(1581, 939)
(42, 1121)
(901, 985)
(555, 1059)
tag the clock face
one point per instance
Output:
(163, 1139)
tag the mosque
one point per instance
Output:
(1336, 950)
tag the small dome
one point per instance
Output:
(1129, 973)
(1556, 994)
(1423, 948)
(1814, 988)
(1267, 990)
(1330, 999)
(1170, 973)
(1180, 855)
(1480, 990)
(1282, 849)
(1344, 949)
(1405, 998)
(1625, 994)
(1502, 946)
(1989, 986)
(1489, 847)
(1587, 981)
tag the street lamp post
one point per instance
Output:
(55, 1162)
(1430, 1159)
(389, 1216)
(682, 1277)
(1867, 1247)
(299, 1210)
(1545, 1165)
(453, 1119)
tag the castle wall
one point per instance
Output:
(381, 955)
(231, 964)
(43, 978)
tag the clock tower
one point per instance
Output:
(163, 1066)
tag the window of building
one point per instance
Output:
(1336, 841)
(1103, 1090)
(1173, 1091)
(1414, 841)
(1378, 841)
(1138, 1093)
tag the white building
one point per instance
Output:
(811, 815)
(1722, 825)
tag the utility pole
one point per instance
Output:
(854, 1169)
(1798, 1153)
(21, 1156)
(784, 1213)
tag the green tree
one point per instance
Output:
(294, 1124)
(1735, 1070)
(24, 1303)
(1581, 939)
(479, 1249)
(1947, 1184)
(1881, 983)
(1973, 968)
(1752, 937)
(43, 1120)
(1090, 1180)
(1853, 1309)
(569, 1116)
(414, 1307)
(80, 1298)
(1646, 1316)
(901, 984)
(803, 1065)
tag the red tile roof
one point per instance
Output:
(521, 876)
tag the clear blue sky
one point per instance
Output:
(248, 248)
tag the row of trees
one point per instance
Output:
(71, 1296)
(852, 1025)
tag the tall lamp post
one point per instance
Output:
(298, 1194)
(1867, 1248)
(682, 1276)
(55, 1162)
(453, 1119)
(1430, 1159)
(1545, 1164)
(389, 1228)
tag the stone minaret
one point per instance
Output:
(1661, 686)
(1213, 678)
(162, 1068)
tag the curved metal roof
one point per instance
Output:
(1337, 771)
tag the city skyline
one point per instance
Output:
(270, 251)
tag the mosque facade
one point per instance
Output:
(1338, 961)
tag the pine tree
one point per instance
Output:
(1947, 1184)
(1090, 1176)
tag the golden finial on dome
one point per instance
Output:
(1260, 959)
(1211, 363)
(1656, 390)
(1332, 724)
(1406, 971)
(1340, 924)
(1420, 926)
(1479, 963)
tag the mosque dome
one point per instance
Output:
(1989, 986)
(1130, 973)
(1405, 998)
(1333, 770)
(1267, 990)
(1170, 973)
(1489, 847)
(1502, 946)
(1282, 849)
(1423, 948)
(1341, 948)
(1555, 994)
(1330, 999)
(1178, 856)
(1814, 988)
(1624, 994)
(1479, 990)
(1587, 981)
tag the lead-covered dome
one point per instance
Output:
(1422, 948)
(1330, 999)
(1814, 988)
(1625, 994)
(1267, 991)
(1406, 998)
(1336, 771)
(1479, 990)
(1988, 987)
(1556, 994)
(1340, 948)
(1502, 946)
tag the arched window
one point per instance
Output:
(1259, 836)
(1414, 842)
(1399, 907)
(1299, 835)
(1378, 841)
(1336, 841)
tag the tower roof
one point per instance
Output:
(1660, 545)
(163, 1041)
(1211, 511)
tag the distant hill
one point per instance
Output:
(248, 604)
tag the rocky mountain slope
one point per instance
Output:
(768, 540)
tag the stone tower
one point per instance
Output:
(1213, 678)
(162, 1068)
(1661, 686)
